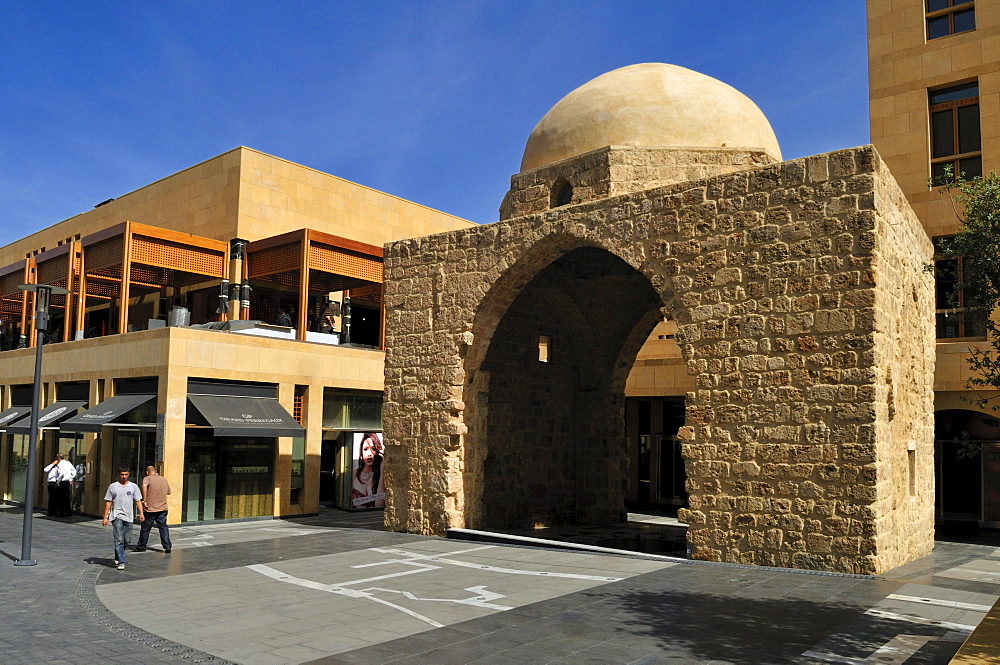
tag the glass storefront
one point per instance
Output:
(227, 477)
(352, 456)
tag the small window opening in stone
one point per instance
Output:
(544, 347)
(911, 458)
(562, 194)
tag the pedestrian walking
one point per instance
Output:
(60, 474)
(154, 498)
(121, 501)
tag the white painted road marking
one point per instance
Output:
(332, 588)
(942, 603)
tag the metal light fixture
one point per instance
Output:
(43, 294)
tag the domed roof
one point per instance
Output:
(652, 105)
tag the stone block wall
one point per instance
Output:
(804, 316)
(616, 170)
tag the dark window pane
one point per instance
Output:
(938, 172)
(946, 278)
(968, 128)
(935, 5)
(942, 134)
(938, 27)
(947, 326)
(964, 91)
(956, 3)
(975, 324)
(965, 21)
(971, 167)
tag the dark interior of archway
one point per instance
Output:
(554, 436)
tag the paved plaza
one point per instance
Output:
(336, 589)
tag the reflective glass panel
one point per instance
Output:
(965, 21)
(971, 167)
(942, 134)
(968, 128)
(938, 27)
(947, 326)
(964, 91)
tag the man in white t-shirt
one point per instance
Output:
(121, 501)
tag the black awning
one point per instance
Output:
(13, 414)
(104, 413)
(50, 416)
(246, 416)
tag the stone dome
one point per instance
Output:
(650, 105)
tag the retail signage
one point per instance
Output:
(105, 413)
(367, 474)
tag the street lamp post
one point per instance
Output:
(43, 292)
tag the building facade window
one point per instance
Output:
(954, 321)
(955, 135)
(949, 17)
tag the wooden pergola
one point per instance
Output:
(61, 267)
(317, 263)
(130, 259)
(13, 301)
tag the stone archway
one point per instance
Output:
(547, 443)
(802, 307)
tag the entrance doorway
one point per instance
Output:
(227, 477)
(656, 467)
(332, 462)
(134, 448)
(967, 468)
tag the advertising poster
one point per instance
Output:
(367, 478)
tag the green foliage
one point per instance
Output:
(977, 242)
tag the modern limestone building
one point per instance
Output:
(243, 419)
(802, 318)
(934, 76)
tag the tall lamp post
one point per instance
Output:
(43, 293)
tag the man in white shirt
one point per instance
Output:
(60, 474)
(120, 502)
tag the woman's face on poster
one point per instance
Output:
(368, 451)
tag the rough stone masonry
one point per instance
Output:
(804, 315)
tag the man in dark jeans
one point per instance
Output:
(154, 498)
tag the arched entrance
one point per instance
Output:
(550, 393)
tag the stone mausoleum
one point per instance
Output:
(802, 309)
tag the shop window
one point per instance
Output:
(955, 132)
(954, 321)
(949, 17)
(352, 411)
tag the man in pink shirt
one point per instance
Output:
(154, 498)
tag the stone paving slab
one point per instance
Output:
(288, 592)
(328, 604)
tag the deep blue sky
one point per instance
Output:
(430, 101)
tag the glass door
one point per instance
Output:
(70, 444)
(134, 449)
(18, 467)
(670, 471)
